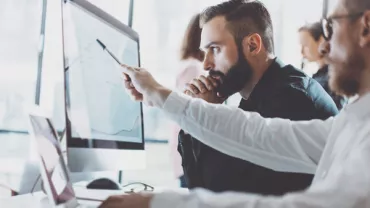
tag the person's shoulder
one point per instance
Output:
(301, 93)
(294, 77)
(299, 82)
(296, 80)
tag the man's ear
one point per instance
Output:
(252, 44)
(321, 41)
(365, 30)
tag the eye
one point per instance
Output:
(214, 49)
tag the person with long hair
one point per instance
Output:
(191, 59)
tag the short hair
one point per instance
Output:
(243, 17)
(191, 40)
(357, 5)
(315, 30)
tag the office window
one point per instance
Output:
(19, 43)
(20, 28)
(288, 16)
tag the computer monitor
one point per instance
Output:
(104, 127)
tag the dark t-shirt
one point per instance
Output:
(283, 92)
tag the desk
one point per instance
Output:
(39, 199)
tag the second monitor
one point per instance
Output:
(104, 128)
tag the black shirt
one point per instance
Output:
(322, 77)
(283, 92)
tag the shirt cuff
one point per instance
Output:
(167, 199)
(176, 103)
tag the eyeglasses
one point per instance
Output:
(327, 23)
(137, 188)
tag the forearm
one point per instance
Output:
(324, 198)
(346, 185)
(158, 96)
(273, 143)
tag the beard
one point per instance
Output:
(235, 79)
(344, 78)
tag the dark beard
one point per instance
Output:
(237, 77)
(345, 80)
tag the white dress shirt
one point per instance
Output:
(336, 150)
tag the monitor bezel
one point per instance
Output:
(91, 143)
(72, 202)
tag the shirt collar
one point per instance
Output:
(322, 71)
(359, 108)
(268, 78)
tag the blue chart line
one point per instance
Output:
(121, 130)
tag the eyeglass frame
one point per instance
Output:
(327, 23)
(146, 187)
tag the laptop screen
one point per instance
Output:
(55, 174)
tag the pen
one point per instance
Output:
(110, 53)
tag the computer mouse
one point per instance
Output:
(104, 183)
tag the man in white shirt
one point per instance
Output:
(338, 148)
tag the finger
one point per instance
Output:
(206, 82)
(126, 77)
(220, 95)
(138, 98)
(192, 88)
(187, 92)
(135, 95)
(130, 71)
(200, 85)
(129, 85)
(214, 82)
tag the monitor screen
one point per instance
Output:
(100, 114)
(54, 170)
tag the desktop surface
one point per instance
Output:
(39, 199)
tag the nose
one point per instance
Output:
(208, 62)
(324, 48)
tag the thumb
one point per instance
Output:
(128, 70)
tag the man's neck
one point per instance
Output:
(321, 64)
(259, 68)
(365, 83)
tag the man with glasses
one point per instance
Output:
(339, 146)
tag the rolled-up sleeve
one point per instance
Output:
(279, 144)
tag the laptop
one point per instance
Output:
(54, 172)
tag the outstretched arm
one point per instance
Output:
(346, 185)
(278, 144)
